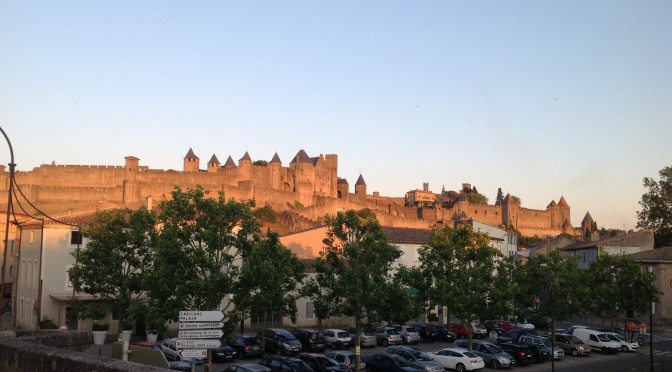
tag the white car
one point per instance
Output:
(525, 325)
(479, 330)
(336, 338)
(458, 359)
(625, 345)
(170, 350)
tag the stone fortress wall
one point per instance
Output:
(305, 190)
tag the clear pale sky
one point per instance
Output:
(540, 98)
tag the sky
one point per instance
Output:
(542, 99)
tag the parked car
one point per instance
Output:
(571, 344)
(310, 339)
(597, 340)
(459, 330)
(281, 341)
(278, 363)
(170, 350)
(558, 353)
(247, 346)
(570, 329)
(223, 353)
(408, 334)
(625, 345)
(513, 335)
(366, 338)
(492, 354)
(540, 351)
(347, 359)
(521, 353)
(641, 339)
(524, 325)
(428, 332)
(417, 357)
(246, 368)
(479, 330)
(458, 359)
(322, 363)
(444, 334)
(389, 363)
(336, 338)
(388, 336)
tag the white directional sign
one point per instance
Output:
(195, 353)
(201, 316)
(208, 325)
(197, 344)
(201, 333)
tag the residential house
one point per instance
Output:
(659, 261)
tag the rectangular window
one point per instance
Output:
(76, 237)
(68, 282)
(310, 310)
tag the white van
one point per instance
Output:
(597, 340)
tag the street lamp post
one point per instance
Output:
(552, 301)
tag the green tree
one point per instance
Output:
(269, 280)
(656, 210)
(464, 273)
(557, 281)
(476, 198)
(202, 241)
(619, 286)
(114, 264)
(354, 273)
(500, 197)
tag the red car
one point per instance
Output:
(505, 324)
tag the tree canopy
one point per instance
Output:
(656, 210)
(114, 265)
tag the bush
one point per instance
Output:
(47, 324)
(100, 327)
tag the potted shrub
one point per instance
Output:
(127, 331)
(155, 324)
(99, 331)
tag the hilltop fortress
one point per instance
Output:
(302, 192)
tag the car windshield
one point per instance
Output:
(367, 333)
(603, 337)
(546, 342)
(478, 326)
(327, 362)
(300, 367)
(493, 349)
(252, 341)
(574, 340)
(401, 362)
(342, 334)
(421, 355)
(392, 332)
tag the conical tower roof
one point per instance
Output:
(301, 157)
(190, 154)
(587, 219)
(246, 157)
(552, 204)
(566, 224)
(276, 159)
(563, 202)
(229, 163)
(213, 160)
(360, 181)
(342, 181)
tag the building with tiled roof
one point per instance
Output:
(659, 262)
(588, 251)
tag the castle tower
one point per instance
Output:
(556, 218)
(360, 186)
(510, 209)
(131, 190)
(303, 168)
(563, 208)
(331, 173)
(229, 163)
(213, 164)
(343, 188)
(191, 162)
(567, 228)
(245, 167)
(587, 225)
(425, 186)
(276, 172)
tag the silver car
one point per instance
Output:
(409, 334)
(492, 354)
(417, 357)
(388, 336)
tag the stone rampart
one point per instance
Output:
(48, 352)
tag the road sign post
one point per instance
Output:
(199, 331)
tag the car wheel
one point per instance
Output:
(385, 343)
(460, 367)
(495, 364)
(624, 349)
(575, 352)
